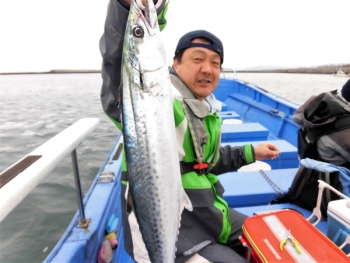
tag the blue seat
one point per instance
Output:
(228, 115)
(244, 132)
(251, 188)
(223, 106)
(287, 159)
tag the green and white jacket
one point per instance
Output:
(210, 220)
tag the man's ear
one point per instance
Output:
(175, 63)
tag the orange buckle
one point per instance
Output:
(201, 168)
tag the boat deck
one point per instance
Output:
(248, 191)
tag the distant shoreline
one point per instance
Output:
(55, 71)
(327, 69)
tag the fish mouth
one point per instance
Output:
(157, 4)
(147, 13)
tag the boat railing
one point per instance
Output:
(228, 70)
(17, 181)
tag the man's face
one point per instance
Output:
(199, 69)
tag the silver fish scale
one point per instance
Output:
(150, 139)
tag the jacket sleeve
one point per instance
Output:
(111, 48)
(233, 158)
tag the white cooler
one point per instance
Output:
(339, 222)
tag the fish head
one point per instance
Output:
(143, 46)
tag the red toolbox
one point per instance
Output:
(266, 238)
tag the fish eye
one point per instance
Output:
(137, 32)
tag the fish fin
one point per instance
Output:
(186, 202)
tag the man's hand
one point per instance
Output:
(266, 150)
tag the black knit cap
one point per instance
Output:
(216, 46)
(345, 91)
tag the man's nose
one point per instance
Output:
(206, 67)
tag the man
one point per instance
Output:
(326, 117)
(210, 232)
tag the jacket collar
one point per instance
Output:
(197, 107)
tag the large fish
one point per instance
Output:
(149, 135)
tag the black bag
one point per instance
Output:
(307, 137)
(304, 189)
(306, 148)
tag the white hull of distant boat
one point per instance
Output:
(341, 73)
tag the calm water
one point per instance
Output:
(34, 108)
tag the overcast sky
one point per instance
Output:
(40, 35)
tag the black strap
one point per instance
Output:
(199, 168)
(338, 125)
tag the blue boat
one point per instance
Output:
(250, 115)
